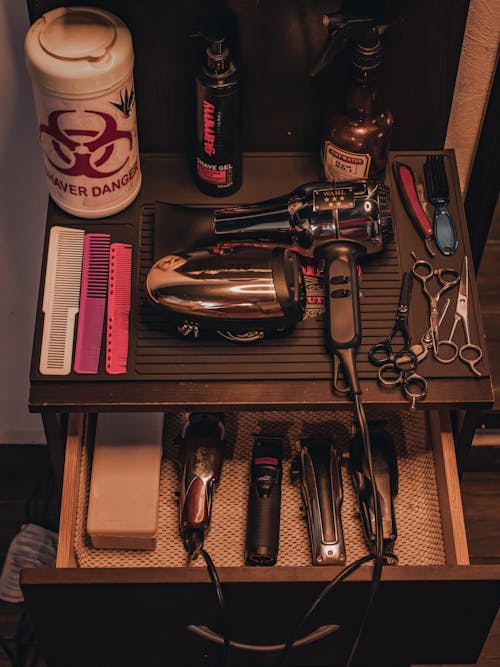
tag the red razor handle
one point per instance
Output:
(407, 188)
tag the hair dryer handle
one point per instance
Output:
(343, 319)
(342, 296)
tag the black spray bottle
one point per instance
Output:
(218, 162)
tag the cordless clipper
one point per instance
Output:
(201, 452)
(385, 468)
(317, 467)
(264, 502)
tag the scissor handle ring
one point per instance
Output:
(442, 273)
(426, 266)
(375, 353)
(414, 396)
(389, 375)
(471, 362)
(405, 360)
(446, 344)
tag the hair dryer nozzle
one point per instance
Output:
(268, 220)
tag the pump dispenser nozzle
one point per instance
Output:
(217, 63)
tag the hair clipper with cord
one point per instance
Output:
(386, 471)
(317, 467)
(264, 502)
(201, 452)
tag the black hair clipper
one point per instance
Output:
(317, 467)
(385, 468)
(264, 502)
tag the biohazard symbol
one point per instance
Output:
(83, 152)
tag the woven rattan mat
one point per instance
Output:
(420, 539)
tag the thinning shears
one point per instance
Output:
(469, 353)
(447, 278)
(382, 353)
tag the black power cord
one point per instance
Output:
(379, 537)
(222, 604)
(377, 556)
(343, 574)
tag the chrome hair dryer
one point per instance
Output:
(246, 281)
(337, 224)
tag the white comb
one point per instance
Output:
(61, 299)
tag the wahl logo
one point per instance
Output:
(81, 151)
(208, 127)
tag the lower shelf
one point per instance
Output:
(421, 538)
(123, 615)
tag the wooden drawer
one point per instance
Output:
(147, 616)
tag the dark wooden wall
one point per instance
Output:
(276, 42)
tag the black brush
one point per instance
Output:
(438, 193)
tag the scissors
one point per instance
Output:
(421, 349)
(447, 278)
(474, 352)
(397, 368)
(413, 386)
(382, 353)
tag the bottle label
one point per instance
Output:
(208, 127)
(342, 165)
(90, 149)
(220, 175)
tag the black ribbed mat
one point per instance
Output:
(160, 353)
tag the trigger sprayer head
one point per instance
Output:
(343, 30)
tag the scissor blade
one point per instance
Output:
(464, 278)
(463, 290)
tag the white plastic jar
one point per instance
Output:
(81, 64)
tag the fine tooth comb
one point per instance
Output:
(438, 193)
(119, 285)
(92, 302)
(61, 298)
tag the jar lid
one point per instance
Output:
(79, 50)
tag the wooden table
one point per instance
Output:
(167, 178)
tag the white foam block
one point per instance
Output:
(124, 488)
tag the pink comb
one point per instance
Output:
(92, 302)
(120, 276)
